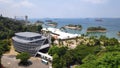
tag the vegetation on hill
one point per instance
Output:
(33, 28)
(64, 57)
(98, 55)
(109, 59)
(4, 47)
(38, 22)
(10, 26)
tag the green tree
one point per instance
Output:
(56, 61)
(39, 27)
(89, 62)
(109, 60)
(52, 40)
(53, 50)
(24, 56)
(68, 58)
(62, 51)
(113, 41)
(1, 52)
(84, 50)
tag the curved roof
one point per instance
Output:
(27, 34)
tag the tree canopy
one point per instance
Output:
(24, 56)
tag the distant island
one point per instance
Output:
(54, 24)
(74, 27)
(96, 29)
(48, 21)
(39, 22)
(119, 33)
(99, 20)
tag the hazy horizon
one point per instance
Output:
(61, 8)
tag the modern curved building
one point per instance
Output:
(30, 42)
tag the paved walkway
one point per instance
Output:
(10, 61)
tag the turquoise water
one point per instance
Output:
(111, 24)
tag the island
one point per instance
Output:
(99, 20)
(54, 24)
(96, 29)
(38, 22)
(48, 20)
(119, 33)
(73, 27)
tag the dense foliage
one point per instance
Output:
(24, 56)
(34, 28)
(4, 46)
(108, 57)
(98, 55)
(10, 26)
(106, 60)
(39, 22)
(64, 57)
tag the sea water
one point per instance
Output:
(111, 24)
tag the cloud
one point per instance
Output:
(5, 1)
(24, 3)
(12, 8)
(95, 1)
(17, 3)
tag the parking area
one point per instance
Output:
(10, 61)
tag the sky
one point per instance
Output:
(61, 8)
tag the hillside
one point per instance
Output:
(8, 26)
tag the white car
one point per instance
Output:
(44, 61)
